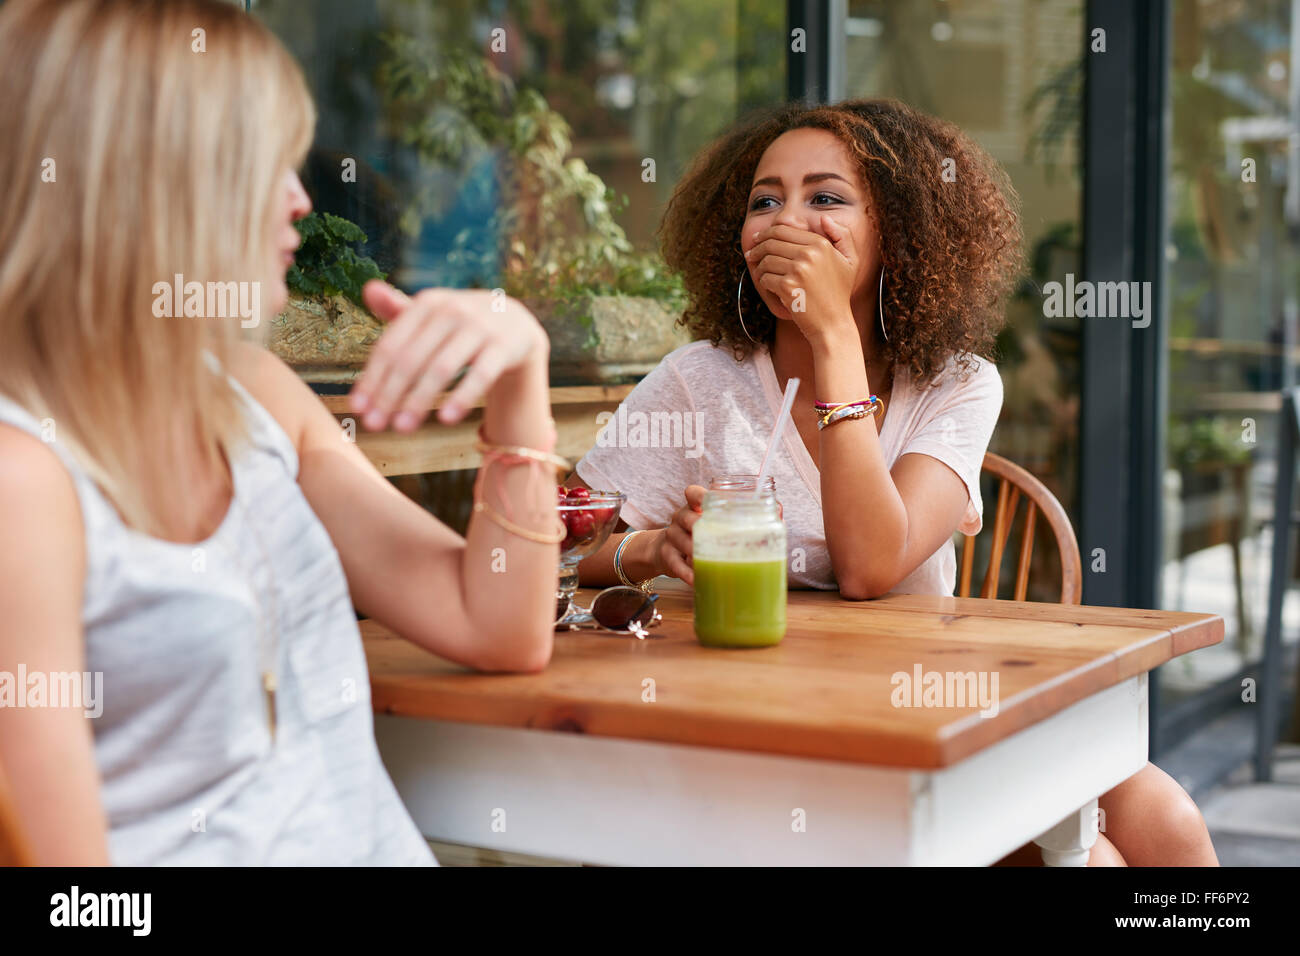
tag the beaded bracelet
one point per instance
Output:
(831, 406)
(839, 415)
(830, 413)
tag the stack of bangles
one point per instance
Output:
(645, 585)
(828, 413)
(516, 455)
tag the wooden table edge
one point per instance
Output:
(954, 743)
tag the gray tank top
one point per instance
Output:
(190, 774)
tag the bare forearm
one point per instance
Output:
(640, 560)
(864, 516)
(497, 561)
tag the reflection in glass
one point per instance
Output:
(1230, 279)
(1010, 74)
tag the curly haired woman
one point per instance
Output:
(865, 249)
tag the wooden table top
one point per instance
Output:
(825, 692)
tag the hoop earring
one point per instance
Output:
(739, 314)
(880, 304)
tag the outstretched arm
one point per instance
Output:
(404, 567)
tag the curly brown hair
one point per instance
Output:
(951, 249)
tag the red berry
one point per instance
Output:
(581, 525)
(562, 492)
(579, 492)
(602, 516)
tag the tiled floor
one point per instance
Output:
(1257, 824)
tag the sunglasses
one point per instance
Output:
(621, 610)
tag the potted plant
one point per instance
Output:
(325, 332)
(1214, 472)
(611, 312)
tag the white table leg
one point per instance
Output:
(1068, 843)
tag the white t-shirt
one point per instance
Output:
(700, 413)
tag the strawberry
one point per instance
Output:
(579, 492)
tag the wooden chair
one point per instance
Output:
(1013, 483)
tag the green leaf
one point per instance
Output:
(327, 263)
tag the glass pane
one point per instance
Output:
(529, 146)
(1230, 280)
(1010, 74)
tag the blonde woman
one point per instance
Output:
(180, 513)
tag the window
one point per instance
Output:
(1010, 74)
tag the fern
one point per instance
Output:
(327, 263)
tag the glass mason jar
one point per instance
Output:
(739, 563)
(741, 483)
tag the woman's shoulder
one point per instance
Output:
(703, 362)
(38, 494)
(965, 375)
(271, 383)
(26, 464)
(689, 373)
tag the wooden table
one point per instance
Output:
(665, 752)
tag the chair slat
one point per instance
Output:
(989, 589)
(967, 563)
(1026, 550)
(1039, 500)
(1008, 498)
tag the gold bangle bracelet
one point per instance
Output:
(560, 464)
(647, 584)
(481, 507)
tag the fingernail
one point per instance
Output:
(360, 402)
(452, 411)
(374, 419)
(404, 421)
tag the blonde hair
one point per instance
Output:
(140, 139)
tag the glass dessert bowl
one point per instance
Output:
(589, 517)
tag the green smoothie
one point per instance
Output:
(740, 603)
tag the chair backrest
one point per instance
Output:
(14, 849)
(1013, 484)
